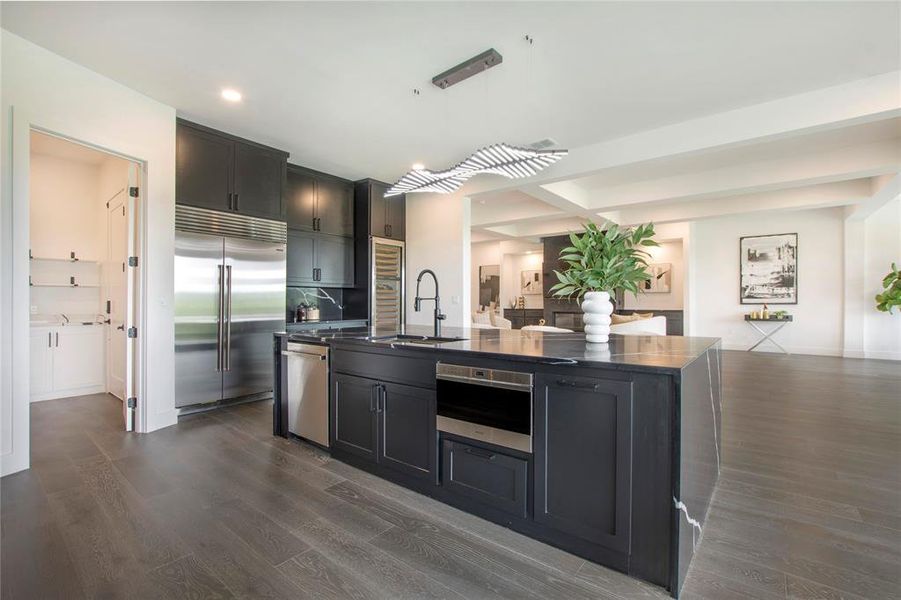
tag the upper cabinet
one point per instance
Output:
(387, 216)
(221, 172)
(319, 202)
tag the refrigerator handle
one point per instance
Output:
(219, 317)
(228, 322)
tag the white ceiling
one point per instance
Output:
(332, 82)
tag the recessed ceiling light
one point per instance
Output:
(418, 166)
(231, 95)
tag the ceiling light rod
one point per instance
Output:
(466, 69)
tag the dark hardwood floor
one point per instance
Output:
(808, 506)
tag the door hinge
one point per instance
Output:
(133, 192)
(132, 261)
(131, 402)
(132, 332)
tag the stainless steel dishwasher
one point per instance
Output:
(308, 391)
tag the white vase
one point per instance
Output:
(597, 308)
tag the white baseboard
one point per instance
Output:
(57, 394)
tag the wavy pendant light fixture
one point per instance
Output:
(499, 159)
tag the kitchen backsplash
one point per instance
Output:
(330, 302)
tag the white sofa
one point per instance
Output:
(653, 326)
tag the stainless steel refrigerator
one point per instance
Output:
(387, 280)
(229, 300)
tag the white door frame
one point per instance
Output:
(21, 125)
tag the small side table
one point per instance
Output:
(768, 335)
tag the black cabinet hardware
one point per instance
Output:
(585, 385)
(481, 453)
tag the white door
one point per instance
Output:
(116, 281)
(78, 357)
(41, 360)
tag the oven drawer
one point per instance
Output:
(490, 478)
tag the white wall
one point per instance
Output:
(882, 231)
(511, 279)
(667, 252)
(43, 90)
(437, 229)
(818, 317)
(482, 254)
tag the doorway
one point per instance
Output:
(83, 241)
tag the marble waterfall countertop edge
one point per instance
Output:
(635, 352)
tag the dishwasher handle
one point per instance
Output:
(303, 355)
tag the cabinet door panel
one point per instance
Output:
(203, 168)
(300, 198)
(334, 206)
(354, 417)
(583, 457)
(408, 441)
(378, 224)
(491, 478)
(259, 182)
(301, 259)
(396, 217)
(335, 259)
(41, 361)
(78, 357)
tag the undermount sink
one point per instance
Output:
(415, 339)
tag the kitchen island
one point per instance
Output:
(609, 452)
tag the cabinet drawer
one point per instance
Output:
(491, 478)
(385, 367)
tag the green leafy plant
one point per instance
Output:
(605, 260)
(891, 295)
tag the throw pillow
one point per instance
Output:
(482, 318)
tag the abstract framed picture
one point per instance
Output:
(769, 269)
(660, 281)
(530, 282)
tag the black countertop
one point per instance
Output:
(632, 352)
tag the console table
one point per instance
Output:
(768, 335)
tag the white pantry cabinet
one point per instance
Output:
(67, 361)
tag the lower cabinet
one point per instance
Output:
(583, 464)
(67, 361)
(386, 423)
(490, 478)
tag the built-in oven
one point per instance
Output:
(489, 405)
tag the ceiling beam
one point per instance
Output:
(842, 164)
(856, 102)
(810, 197)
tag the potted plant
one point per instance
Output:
(602, 261)
(891, 294)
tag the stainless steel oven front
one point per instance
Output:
(489, 405)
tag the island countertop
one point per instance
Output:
(635, 352)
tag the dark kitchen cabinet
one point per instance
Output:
(386, 216)
(488, 477)
(319, 260)
(301, 264)
(583, 458)
(319, 202)
(407, 436)
(354, 417)
(334, 256)
(221, 172)
(203, 168)
(385, 423)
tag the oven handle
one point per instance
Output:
(485, 382)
